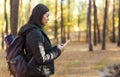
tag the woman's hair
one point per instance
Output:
(37, 14)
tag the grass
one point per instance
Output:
(100, 65)
(75, 63)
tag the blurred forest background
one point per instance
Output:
(89, 24)
(91, 21)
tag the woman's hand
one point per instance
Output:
(61, 47)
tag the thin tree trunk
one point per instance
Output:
(96, 26)
(2, 40)
(64, 29)
(62, 25)
(89, 26)
(113, 31)
(68, 28)
(30, 8)
(98, 34)
(5, 19)
(95, 23)
(79, 27)
(86, 34)
(104, 26)
(56, 27)
(5, 28)
(119, 26)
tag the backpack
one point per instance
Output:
(15, 56)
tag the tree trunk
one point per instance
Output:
(95, 23)
(5, 19)
(104, 26)
(89, 26)
(113, 20)
(119, 26)
(30, 8)
(14, 16)
(5, 28)
(21, 20)
(79, 27)
(62, 25)
(68, 28)
(98, 33)
(56, 27)
(2, 40)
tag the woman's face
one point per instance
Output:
(45, 18)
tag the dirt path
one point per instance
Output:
(77, 61)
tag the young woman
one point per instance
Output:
(39, 52)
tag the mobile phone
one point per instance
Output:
(66, 42)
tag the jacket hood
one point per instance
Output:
(24, 29)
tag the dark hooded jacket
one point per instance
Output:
(39, 52)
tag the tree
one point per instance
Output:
(96, 25)
(89, 26)
(62, 24)
(68, 28)
(78, 23)
(104, 25)
(56, 27)
(79, 27)
(98, 33)
(5, 28)
(95, 22)
(14, 5)
(2, 40)
(119, 26)
(30, 8)
(5, 19)
(21, 20)
(113, 23)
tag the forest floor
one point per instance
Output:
(77, 61)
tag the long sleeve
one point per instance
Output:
(37, 44)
